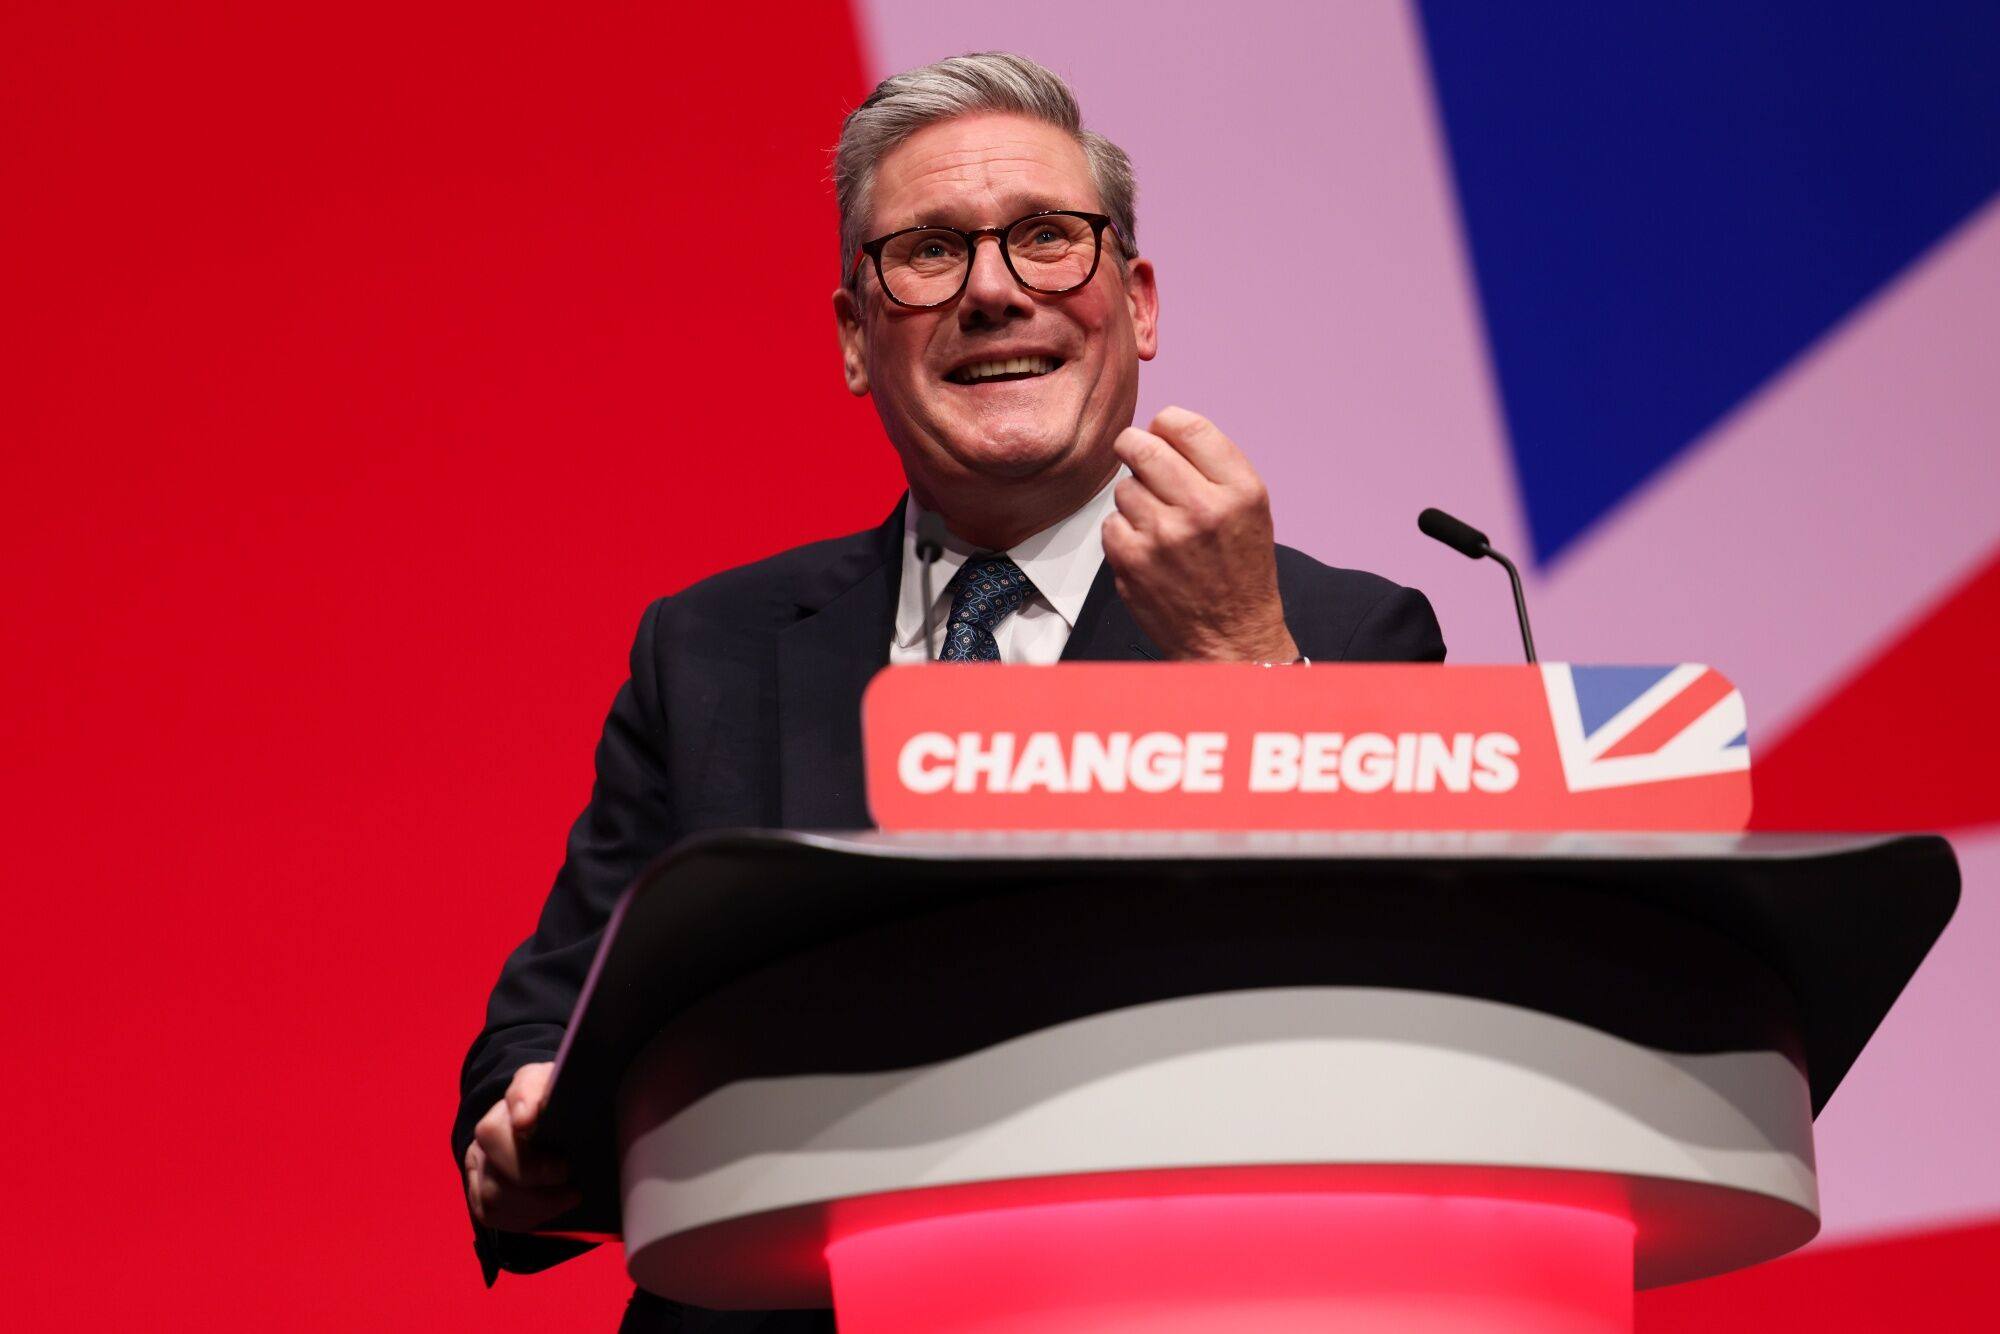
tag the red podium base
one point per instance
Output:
(1275, 1263)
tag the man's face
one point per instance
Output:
(986, 171)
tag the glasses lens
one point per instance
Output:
(1052, 252)
(925, 267)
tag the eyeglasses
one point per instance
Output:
(1050, 253)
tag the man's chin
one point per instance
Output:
(1012, 458)
(1009, 448)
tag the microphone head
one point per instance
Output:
(1457, 534)
(930, 535)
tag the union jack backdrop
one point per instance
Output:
(1695, 306)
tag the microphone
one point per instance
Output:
(1466, 540)
(930, 545)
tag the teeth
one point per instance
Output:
(986, 370)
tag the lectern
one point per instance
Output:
(1015, 1081)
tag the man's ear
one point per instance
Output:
(853, 341)
(1142, 298)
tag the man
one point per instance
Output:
(995, 306)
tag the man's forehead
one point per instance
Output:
(971, 170)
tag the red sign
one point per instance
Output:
(1361, 746)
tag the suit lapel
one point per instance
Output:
(1105, 630)
(847, 613)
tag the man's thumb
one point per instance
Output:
(524, 1102)
(522, 1108)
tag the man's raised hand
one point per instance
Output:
(1191, 545)
(511, 1185)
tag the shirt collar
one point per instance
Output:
(1061, 561)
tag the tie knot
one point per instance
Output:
(984, 592)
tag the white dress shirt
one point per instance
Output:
(1060, 561)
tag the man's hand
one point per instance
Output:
(1191, 544)
(509, 1184)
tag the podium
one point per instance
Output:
(1414, 1081)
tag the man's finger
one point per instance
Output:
(1159, 465)
(526, 1093)
(1199, 441)
(518, 1209)
(505, 1204)
(532, 1169)
(475, 1163)
(1121, 541)
(494, 1135)
(1141, 508)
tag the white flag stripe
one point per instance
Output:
(1721, 723)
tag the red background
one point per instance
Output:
(365, 373)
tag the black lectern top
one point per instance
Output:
(1615, 930)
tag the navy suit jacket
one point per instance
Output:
(744, 710)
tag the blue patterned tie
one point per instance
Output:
(984, 592)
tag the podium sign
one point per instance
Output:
(1340, 746)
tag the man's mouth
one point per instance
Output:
(1010, 368)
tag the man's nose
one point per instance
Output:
(991, 294)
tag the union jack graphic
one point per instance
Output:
(1620, 726)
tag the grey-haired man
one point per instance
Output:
(994, 304)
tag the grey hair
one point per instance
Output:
(964, 85)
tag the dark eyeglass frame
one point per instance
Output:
(1098, 223)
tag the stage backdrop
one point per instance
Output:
(367, 370)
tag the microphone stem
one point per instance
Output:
(1520, 602)
(928, 554)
